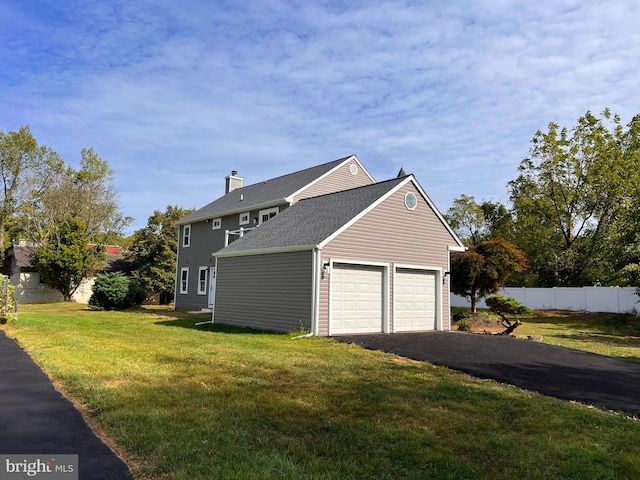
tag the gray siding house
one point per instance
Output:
(363, 258)
(241, 210)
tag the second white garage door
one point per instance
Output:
(414, 300)
(356, 299)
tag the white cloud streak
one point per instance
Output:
(176, 95)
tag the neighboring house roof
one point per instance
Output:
(264, 194)
(115, 261)
(24, 256)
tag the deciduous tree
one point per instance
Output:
(65, 259)
(154, 249)
(572, 197)
(475, 223)
(25, 168)
(484, 268)
(87, 194)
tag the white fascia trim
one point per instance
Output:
(457, 249)
(439, 215)
(365, 211)
(265, 251)
(315, 304)
(352, 158)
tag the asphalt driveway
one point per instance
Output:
(559, 372)
(35, 418)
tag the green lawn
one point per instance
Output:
(607, 334)
(215, 402)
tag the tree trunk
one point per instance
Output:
(510, 327)
(474, 301)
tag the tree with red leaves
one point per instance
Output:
(484, 268)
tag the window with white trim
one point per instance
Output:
(244, 218)
(186, 235)
(184, 280)
(202, 280)
(264, 215)
(410, 201)
(216, 224)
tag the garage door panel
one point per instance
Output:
(415, 300)
(356, 299)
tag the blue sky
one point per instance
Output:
(174, 95)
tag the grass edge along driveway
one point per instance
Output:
(219, 402)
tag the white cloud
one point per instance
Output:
(176, 95)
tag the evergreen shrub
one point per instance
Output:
(113, 291)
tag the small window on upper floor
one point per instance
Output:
(410, 201)
(186, 235)
(265, 215)
(244, 218)
(216, 224)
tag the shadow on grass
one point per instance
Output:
(596, 323)
(601, 338)
(190, 324)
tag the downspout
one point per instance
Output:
(315, 294)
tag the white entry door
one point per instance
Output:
(212, 287)
(356, 299)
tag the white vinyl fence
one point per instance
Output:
(588, 299)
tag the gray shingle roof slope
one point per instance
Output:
(312, 220)
(115, 261)
(268, 191)
(24, 256)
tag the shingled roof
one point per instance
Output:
(24, 256)
(114, 262)
(263, 194)
(292, 227)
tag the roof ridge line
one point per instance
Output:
(398, 179)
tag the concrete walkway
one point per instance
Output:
(559, 372)
(37, 419)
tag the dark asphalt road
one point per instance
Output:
(35, 418)
(559, 372)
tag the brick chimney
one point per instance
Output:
(232, 182)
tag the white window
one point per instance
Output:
(216, 224)
(265, 215)
(410, 201)
(186, 235)
(184, 279)
(202, 280)
(244, 218)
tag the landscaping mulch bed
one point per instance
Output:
(482, 323)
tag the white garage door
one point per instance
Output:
(414, 300)
(356, 299)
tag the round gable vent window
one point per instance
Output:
(353, 168)
(410, 201)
